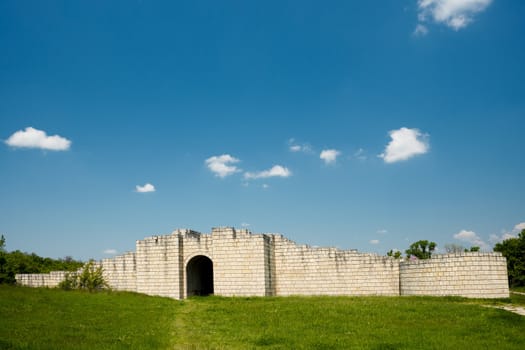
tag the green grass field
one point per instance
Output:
(519, 289)
(54, 319)
(38, 318)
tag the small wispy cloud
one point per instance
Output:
(329, 156)
(110, 251)
(505, 234)
(34, 138)
(295, 146)
(456, 14)
(519, 227)
(374, 241)
(245, 224)
(360, 154)
(405, 143)
(275, 171)
(382, 231)
(421, 30)
(146, 188)
(222, 165)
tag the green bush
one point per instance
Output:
(422, 249)
(394, 253)
(90, 278)
(70, 282)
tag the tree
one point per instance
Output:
(514, 250)
(454, 248)
(3, 261)
(421, 249)
(12, 263)
(90, 278)
(394, 253)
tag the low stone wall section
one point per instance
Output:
(303, 270)
(49, 280)
(469, 274)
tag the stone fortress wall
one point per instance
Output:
(300, 269)
(472, 275)
(49, 280)
(235, 262)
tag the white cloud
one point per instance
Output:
(382, 231)
(34, 138)
(519, 227)
(329, 155)
(245, 224)
(146, 188)
(296, 147)
(222, 165)
(265, 186)
(275, 171)
(493, 238)
(360, 154)
(110, 251)
(456, 14)
(406, 143)
(421, 30)
(471, 237)
(506, 235)
(374, 241)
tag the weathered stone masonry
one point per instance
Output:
(232, 262)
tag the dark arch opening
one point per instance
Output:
(199, 276)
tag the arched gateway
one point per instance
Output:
(199, 276)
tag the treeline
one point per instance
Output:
(16, 261)
(514, 250)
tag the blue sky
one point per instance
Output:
(124, 119)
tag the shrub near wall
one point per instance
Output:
(90, 278)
